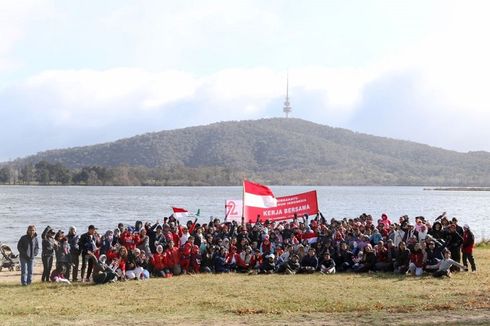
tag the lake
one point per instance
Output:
(61, 207)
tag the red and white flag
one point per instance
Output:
(180, 212)
(257, 195)
(311, 237)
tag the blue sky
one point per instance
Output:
(83, 72)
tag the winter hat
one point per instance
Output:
(466, 226)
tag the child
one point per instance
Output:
(58, 275)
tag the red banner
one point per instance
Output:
(287, 206)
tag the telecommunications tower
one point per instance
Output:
(287, 106)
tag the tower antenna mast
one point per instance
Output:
(287, 106)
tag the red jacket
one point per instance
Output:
(111, 255)
(129, 240)
(186, 250)
(468, 242)
(173, 256)
(176, 239)
(159, 261)
(243, 264)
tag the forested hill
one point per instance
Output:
(281, 151)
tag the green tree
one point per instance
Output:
(42, 174)
(5, 175)
(27, 173)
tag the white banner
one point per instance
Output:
(233, 210)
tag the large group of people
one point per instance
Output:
(299, 245)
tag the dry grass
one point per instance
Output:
(244, 299)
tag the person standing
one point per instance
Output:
(87, 247)
(454, 243)
(28, 248)
(47, 253)
(73, 239)
(468, 243)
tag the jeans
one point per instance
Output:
(47, 265)
(26, 268)
(88, 264)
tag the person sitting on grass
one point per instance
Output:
(58, 275)
(291, 267)
(195, 266)
(343, 258)
(133, 270)
(402, 260)
(326, 264)
(159, 262)
(173, 256)
(383, 262)
(121, 260)
(144, 242)
(219, 261)
(232, 258)
(207, 259)
(245, 260)
(309, 263)
(143, 261)
(268, 265)
(417, 261)
(444, 265)
(185, 254)
(102, 272)
(368, 262)
(431, 257)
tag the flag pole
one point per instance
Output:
(226, 212)
(243, 201)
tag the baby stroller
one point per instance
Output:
(8, 259)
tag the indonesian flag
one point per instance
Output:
(180, 212)
(257, 195)
(311, 237)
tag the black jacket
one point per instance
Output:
(28, 247)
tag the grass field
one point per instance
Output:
(258, 299)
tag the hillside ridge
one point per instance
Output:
(285, 151)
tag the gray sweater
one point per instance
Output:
(445, 264)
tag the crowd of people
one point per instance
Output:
(300, 245)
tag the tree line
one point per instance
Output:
(45, 173)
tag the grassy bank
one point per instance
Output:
(244, 299)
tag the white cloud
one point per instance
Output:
(15, 17)
(166, 39)
(106, 89)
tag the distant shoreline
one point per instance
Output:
(239, 185)
(460, 189)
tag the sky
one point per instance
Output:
(81, 72)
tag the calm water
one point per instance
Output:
(61, 207)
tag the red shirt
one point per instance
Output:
(417, 257)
